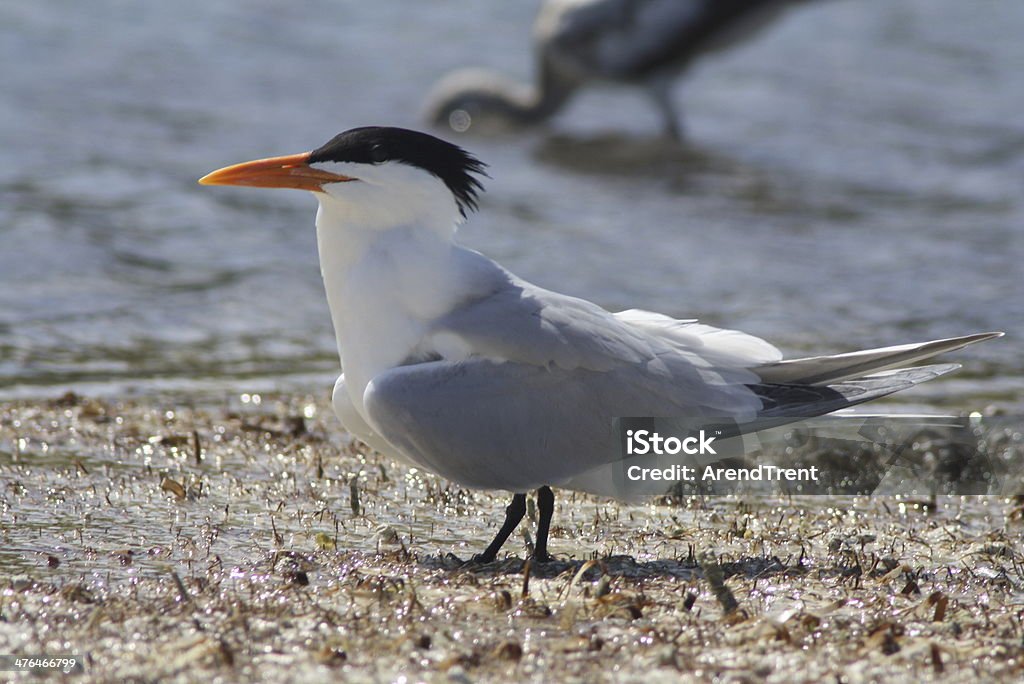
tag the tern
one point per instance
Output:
(579, 42)
(454, 365)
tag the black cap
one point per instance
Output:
(378, 144)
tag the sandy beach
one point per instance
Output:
(251, 539)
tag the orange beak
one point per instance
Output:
(292, 171)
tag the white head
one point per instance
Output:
(373, 177)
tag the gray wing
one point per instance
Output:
(531, 382)
(629, 39)
(512, 426)
(522, 323)
(494, 425)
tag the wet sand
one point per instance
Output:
(251, 539)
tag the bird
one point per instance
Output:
(579, 42)
(454, 365)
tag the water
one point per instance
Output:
(854, 179)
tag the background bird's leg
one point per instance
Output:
(514, 513)
(545, 508)
(661, 94)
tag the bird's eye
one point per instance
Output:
(378, 154)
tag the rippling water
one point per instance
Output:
(855, 178)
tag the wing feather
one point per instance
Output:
(513, 426)
(823, 370)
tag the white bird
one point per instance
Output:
(453, 364)
(580, 42)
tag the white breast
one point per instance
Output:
(383, 295)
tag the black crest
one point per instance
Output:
(377, 144)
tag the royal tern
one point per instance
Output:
(579, 42)
(453, 364)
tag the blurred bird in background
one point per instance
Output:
(646, 43)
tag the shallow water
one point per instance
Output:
(854, 179)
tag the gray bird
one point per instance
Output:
(648, 43)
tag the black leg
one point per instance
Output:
(546, 508)
(514, 513)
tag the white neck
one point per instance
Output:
(389, 268)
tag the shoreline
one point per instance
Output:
(288, 552)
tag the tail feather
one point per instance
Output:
(827, 370)
(786, 403)
(804, 401)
